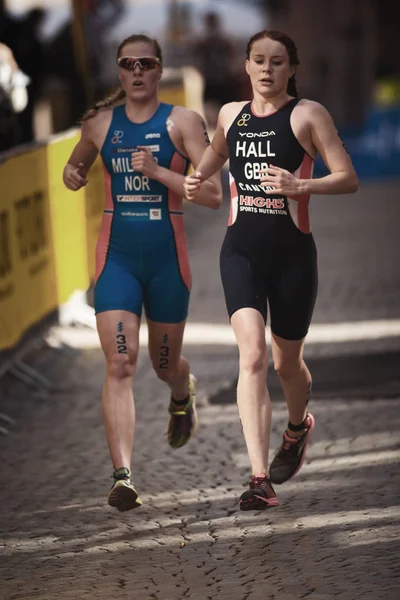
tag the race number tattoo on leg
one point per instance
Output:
(121, 339)
(164, 353)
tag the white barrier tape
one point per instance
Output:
(204, 334)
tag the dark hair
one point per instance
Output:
(120, 93)
(285, 40)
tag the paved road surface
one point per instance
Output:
(335, 534)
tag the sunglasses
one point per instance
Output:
(146, 63)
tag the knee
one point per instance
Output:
(254, 361)
(121, 367)
(286, 369)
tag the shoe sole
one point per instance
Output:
(195, 423)
(310, 430)
(258, 503)
(124, 498)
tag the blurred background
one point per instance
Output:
(348, 50)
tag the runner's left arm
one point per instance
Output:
(342, 178)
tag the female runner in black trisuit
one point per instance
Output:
(269, 253)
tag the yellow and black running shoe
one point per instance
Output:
(123, 495)
(183, 420)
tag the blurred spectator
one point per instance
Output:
(29, 55)
(23, 37)
(13, 98)
(216, 58)
(72, 91)
(100, 17)
(67, 88)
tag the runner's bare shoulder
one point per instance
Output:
(181, 114)
(308, 109)
(182, 122)
(96, 127)
(229, 112)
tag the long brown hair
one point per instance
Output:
(285, 40)
(119, 94)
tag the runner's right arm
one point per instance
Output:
(214, 157)
(83, 156)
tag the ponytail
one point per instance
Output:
(292, 87)
(106, 103)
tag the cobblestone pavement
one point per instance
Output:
(335, 534)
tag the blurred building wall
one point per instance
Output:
(338, 49)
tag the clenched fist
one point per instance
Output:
(192, 185)
(275, 180)
(74, 177)
(144, 162)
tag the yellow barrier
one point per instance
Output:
(68, 224)
(95, 201)
(28, 288)
(47, 236)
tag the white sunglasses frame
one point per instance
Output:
(137, 61)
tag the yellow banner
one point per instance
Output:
(94, 203)
(28, 289)
(68, 223)
(48, 236)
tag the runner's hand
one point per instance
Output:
(144, 162)
(280, 181)
(74, 177)
(191, 185)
